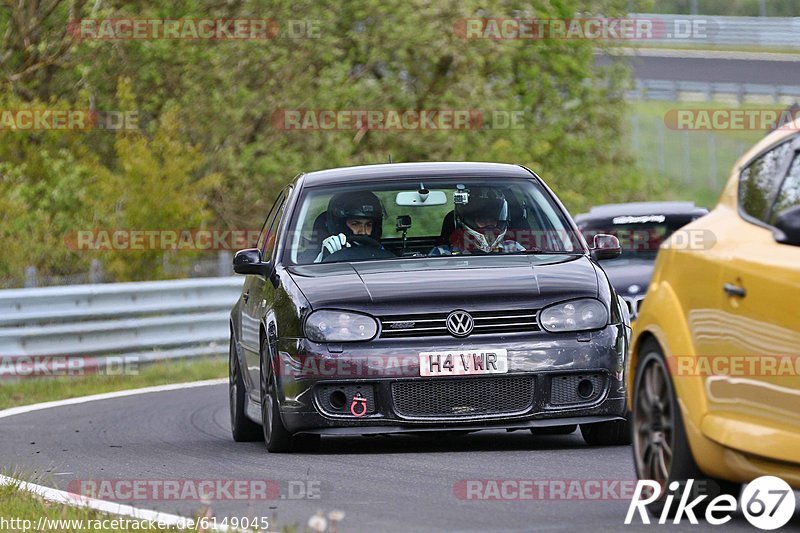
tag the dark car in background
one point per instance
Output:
(641, 227)
(425, 297)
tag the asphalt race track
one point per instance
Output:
(712, 70)
(398, 483)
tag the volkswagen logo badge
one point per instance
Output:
(460, 323)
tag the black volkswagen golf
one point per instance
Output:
(425, 297)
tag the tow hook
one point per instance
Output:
(358, 407)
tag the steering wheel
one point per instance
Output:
(364, 240)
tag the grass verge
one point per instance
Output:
(36, 390)
(695, 164)
(23, 511)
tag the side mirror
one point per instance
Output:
(788, 224)
(605, 247)
(248, 261)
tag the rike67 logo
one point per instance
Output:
(767, 502)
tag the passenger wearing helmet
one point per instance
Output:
(351, 214)
(481, 223)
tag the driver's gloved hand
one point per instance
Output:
(332, 244)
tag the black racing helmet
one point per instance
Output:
(359, 204)
(482, 202)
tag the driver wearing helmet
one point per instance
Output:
(481, 220)
(349, 215)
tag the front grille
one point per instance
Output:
(634, 303)
(454, 397)
(434, 325)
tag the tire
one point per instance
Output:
(613, 433)
(661, 450)
(242, 428)
(276, 437)
(554, 430)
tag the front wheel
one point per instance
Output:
(242, 428)
(276, 437)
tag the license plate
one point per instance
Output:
(463, 363)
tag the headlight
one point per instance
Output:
(340, 326)
(576, 315)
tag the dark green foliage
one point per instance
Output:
(208, 155)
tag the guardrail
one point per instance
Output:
(140, 321)
(703, 30)
(707, 91)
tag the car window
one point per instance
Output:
(789, 192)
(546, 225)
(266, 241)
(758, 182)
(268, 221)
(272, 233)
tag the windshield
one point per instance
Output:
(431, 218)
(639, 236)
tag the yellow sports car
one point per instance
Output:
(714, 376)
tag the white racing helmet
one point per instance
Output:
(482, 204)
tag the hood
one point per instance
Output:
(627, 274)
(443, 284)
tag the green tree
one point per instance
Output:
(208, 152)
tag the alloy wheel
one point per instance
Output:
(653, 419)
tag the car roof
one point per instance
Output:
(642, 209)
(411, 171)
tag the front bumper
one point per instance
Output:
(319, 384)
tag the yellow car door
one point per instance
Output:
(753, 388)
